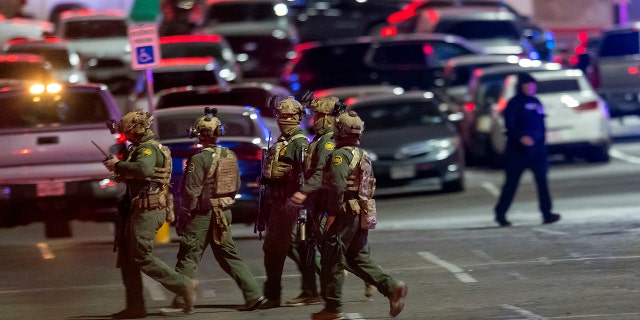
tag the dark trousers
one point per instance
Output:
(516, 163)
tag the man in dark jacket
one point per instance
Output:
(524, 122)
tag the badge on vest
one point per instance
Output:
(337, 160)
(145, 152)
(329, 145)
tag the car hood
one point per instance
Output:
(389, 141)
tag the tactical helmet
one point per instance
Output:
(323, 105)
(290, 106)
(348, 124)
(136, 122)
(208, 126)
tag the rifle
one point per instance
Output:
(261, 219)
(301, 221)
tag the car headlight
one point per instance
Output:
(437, 148)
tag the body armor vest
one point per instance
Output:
(222, 178)
(361, 179)
(273, 168)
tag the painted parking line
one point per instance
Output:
(524, 313)
(45, 252)
(615, 153)
(549, 231)
(491, 188)
(457, 271)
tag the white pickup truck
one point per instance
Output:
(618, 70)
(50, 169)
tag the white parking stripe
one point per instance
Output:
(353, 316)
(459, 273)
(45, 252)
(525, 313)
(615, 153)
(491, 188)
(548, 231)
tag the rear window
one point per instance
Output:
(561, 85)
(200, 49)
(241, 12)
(482, 29)
(399, 115)
(26, 71)
(247, 97)
(177, 126)
(69, 108)
(95, 29)
(620, 44)
(166, 80)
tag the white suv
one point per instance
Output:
(50, 168)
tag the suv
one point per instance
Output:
(411, 61)
(618, 70)
(259, 32)
(49, 167)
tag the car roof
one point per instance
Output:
(481, 59)
(222, 109)
(506, 69)
(412, 95)
(556, 74)
(399, 38)
(473, 13)
(89, 14)
(268, 87)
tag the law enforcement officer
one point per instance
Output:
(280, 173)
(211, 180)
(315, 195)
(147, 172)
(351, 213)
(525, 130)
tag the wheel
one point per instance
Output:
(597, 153)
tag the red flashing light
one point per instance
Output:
(388, 31)
(190, 38)
(633, 70)
(469, 106)
(427, 49)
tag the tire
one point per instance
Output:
(597, 154)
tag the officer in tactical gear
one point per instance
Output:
(147, 172)
(211, 180)
(280, 173)
(351, 213)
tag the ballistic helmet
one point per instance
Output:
(136, 122)
(348, 124)
(208, 126)
(290, 106)
(323, 105)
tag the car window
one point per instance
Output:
(559, 85)
(239, 12)
(201, 49)
(243, 97)
(488, 91)
(25, 111)
(481, 29)
(25, 70)
(95, 29)
(399, 115)
(59, 58)
(620, 44)
(166, 80)
(177, 126)
(411, 56)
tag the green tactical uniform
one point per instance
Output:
(317, 153)
(346, 241)
(142, 224)
(204, 230)
(277, 244)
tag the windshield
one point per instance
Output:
(26, 71)
(177, 126)
(95, 29)
(242, 97)
(200, 49)
(385, 116)
(559, 85)
(168, 80)
(26, 111)
(481, 29)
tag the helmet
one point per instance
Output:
(136, 122)
(323, 105)
(348, 124)
(290, 106)
(208, 126)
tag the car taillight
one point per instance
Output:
(389, 31)
(469, 106)
(592, 105)
(252, 152)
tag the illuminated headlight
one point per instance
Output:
(281, 9)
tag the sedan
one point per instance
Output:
(246, 134)
(412, 143)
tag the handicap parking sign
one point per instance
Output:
(144, 46)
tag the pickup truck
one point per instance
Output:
(617, 68)
(50, 169)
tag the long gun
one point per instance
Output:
(301, 221)
(261, 219)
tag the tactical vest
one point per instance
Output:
(361, 179)
(272, 168)
(161, 175)
(222, 178)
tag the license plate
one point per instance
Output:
(402, 172)
(50, 188)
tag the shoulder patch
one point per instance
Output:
(337, 160)
(283, 150)
(190, 167)
(145, 152)
(329, 145)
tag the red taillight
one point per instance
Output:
(389, 31)
(250, 153)
(469, 106)
(633, 70)
(592, 105)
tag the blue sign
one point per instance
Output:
(144, 55)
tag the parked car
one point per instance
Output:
(23, 28)
(322, 20)
(26, 66)
(411, 61)
(101, 38)
(482, 94)
(245, 133)
(413, 145)
(259, 31)
(64, 60)
(577, 118)
(49, 167)
(253, 94)
(616, 70)
(410, 16)
(203, 45)
(175, 72)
